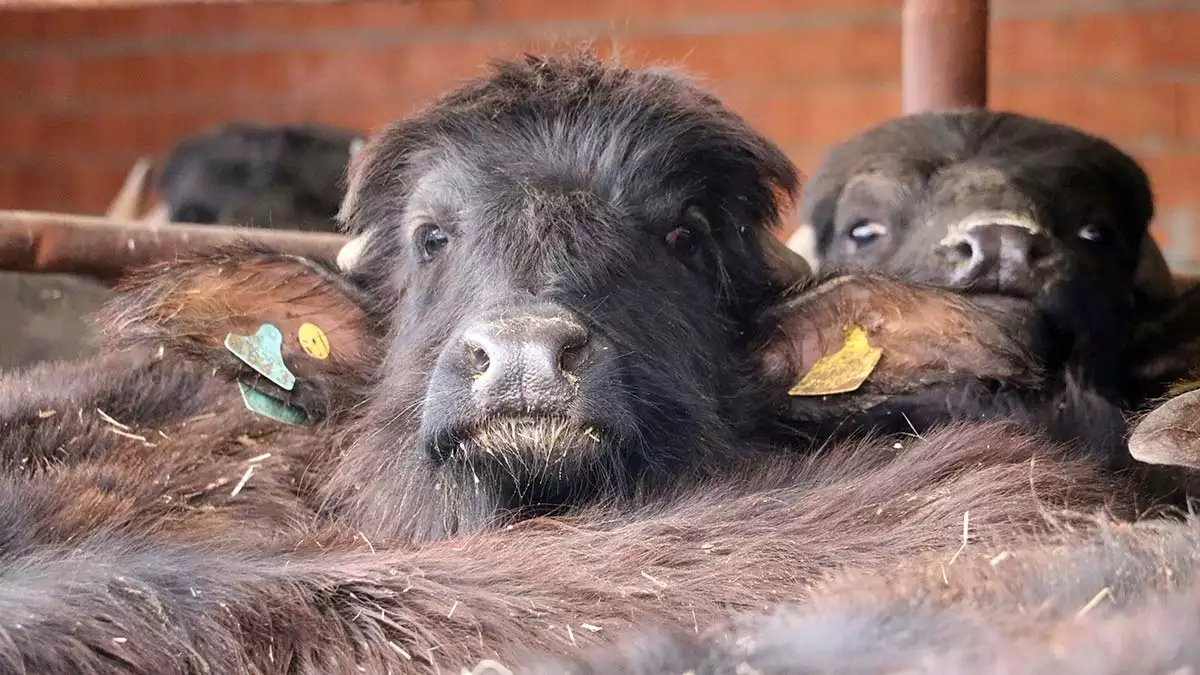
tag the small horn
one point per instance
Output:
(804, 242)
(787, 267)
(1153, 276)
(350, 252)
(158, 215)
(127, 203)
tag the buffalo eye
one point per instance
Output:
(867, 231)
(1092, 233)
(684, 238)
(429, 240)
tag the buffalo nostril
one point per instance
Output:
(479, 359)
(571, 357)
(962, 251)
(1040, 248)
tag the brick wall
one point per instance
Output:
(84, 93)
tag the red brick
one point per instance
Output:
(1174, 177)
(1119, 112)
(23, 25)
(1188, 100)
(1109, 43)
(1178, 47)
(819, 116)
(51, 78)
(521, 11)
(16, 78)
(20, 133)
(865, 52)
(123, 77)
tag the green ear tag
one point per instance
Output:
(263, 352)
(271, 407)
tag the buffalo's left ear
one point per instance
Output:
(290, 327)
(874, 336)
(1153, 279)
(1170, 434)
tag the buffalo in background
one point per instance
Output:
(1047, 219)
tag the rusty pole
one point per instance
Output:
(944, 54)
(106, 249)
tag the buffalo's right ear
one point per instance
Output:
(785, 266)
(910, 336)
(290, 327)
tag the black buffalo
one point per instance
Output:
(1041, 217)
(259, 175)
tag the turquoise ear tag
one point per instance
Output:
(263, 352)
(269, 406)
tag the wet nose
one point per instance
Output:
(1009, 253)
(526, 360)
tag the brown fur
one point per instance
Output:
(331, 602)
(1121, 600)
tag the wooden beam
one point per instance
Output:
(944, 54)
(106, 249)
(117, 4)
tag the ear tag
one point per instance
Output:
(263, 352)
(313, 340)
(843, 371)
(271, 407)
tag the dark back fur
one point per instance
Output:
(258, 175)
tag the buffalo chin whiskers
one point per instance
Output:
(550, 437)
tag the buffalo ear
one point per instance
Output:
(310, 326)
(927, 336)
(1152, 277)
(786, 267)
(1170, 434)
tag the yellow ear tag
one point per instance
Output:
(313, 341)
(843, 371)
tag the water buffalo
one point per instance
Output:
(539, 408)
(1005, 206)
(258, 175)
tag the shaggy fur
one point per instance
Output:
(1126, 600)
(203, 539)
(115, 600)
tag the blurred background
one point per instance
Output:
(85, 93)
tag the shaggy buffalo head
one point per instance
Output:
(574, 254)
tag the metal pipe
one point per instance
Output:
(106, 249)
(944, 54)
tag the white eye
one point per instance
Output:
(1091, 233)
(867, 232)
